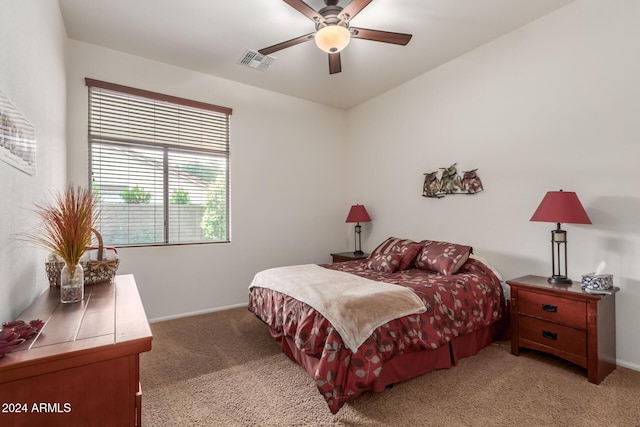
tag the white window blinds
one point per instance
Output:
(159, 167)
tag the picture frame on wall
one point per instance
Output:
(17, 137)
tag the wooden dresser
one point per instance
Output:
(83, 368)
(565, 321)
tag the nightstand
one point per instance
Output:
(347, 256)
(565, 321)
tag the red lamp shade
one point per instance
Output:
(358, 213)
(561, 207)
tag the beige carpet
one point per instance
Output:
(224, 369)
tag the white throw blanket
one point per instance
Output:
(355, 306)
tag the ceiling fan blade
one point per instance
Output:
(353, 8)
(380, 36)
(304, 9)
(276, 47)
(335, 65)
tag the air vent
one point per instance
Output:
(255, 60)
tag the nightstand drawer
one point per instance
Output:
(549, 334)
(556, 309)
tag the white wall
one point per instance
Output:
(553, 105)
(287, 174)
(32, 75)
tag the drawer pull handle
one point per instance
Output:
(550, 308)
(550, 335)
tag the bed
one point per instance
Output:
(450, 305)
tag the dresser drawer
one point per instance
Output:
(556, 309)
(563, 338)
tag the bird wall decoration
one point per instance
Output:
(447, 181)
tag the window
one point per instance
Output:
(158, 166)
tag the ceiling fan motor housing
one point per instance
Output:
(330, 16)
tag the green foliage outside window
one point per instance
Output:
(96, 191)
(136, 196)
(179, 197)
(214, 219)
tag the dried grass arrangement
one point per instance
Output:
(66, 224)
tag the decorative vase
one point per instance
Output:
(71, 284)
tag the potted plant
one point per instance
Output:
(65, 229)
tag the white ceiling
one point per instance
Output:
(211, 36)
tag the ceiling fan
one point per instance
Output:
(333, 30)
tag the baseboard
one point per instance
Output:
(195, 313)
(628, 365)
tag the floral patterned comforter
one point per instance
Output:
(456, 305)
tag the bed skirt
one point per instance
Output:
(403, 367)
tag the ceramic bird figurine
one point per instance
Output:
(431, 186)
(450, 181)
(471, 182)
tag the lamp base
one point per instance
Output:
(358, 253)
(560, 280)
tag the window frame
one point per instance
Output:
(165, 148)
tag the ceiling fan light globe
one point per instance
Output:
(332, 38)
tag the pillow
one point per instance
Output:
(405, 247)
(442, 257)
(387, 263)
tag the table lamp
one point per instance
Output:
(560, 207)
(358, 214)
